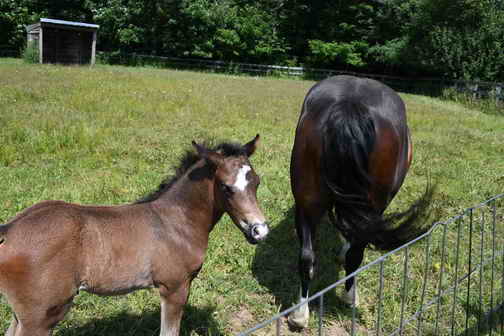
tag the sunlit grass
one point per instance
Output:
(108, 135)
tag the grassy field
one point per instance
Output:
(108, 135)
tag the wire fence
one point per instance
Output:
(418, 85)
(493, 91)
(7, 52)
(450, 283)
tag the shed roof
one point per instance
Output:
(34, 27)
(70, 23)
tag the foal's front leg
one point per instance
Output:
(172, 308)
(13, 326)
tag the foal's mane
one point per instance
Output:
(187, 161)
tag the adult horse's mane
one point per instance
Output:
(187, 160)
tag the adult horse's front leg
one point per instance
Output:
(306, 227)
(172, 308)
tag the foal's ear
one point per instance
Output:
(251, 146)
(208, 154)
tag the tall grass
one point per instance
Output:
(493, 103)
(109, 134)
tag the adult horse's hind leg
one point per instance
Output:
(353, 259)
(307, 221)
(351, 256)
(345, 245)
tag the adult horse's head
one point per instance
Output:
(235, 188)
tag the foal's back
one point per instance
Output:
(105, 250)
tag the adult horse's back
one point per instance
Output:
(351, 154)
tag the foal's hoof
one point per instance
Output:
(347, 297)
(298, 319)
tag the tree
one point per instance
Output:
(229, 31)
(457, 39)
(16, 14)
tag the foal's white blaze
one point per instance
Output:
(244, 225)
(241, 178)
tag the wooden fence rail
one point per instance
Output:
(421, 85)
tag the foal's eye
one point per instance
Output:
(228, 191)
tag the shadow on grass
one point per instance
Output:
(275, 266)
(488, 322)
(198, 321)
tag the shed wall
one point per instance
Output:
(66, 46)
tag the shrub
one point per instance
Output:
(31, 53)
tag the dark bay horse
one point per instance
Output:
(351, 154)
(52, 250)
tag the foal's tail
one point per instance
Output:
(3, 233)
(348, 140)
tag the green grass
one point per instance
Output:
(108, 135)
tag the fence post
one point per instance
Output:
(455, 290)
(380, 298)
(405, 288)
(424, 285)
(441, 272)
(470, 267)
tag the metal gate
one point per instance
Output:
(450, 283)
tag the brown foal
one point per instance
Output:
(53, 249)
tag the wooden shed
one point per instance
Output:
(64, 42)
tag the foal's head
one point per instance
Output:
(235, 188)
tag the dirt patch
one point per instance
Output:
(243, 319)
(347, 325)
(334, 330)
(240, 320)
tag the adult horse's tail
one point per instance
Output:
(348, 140)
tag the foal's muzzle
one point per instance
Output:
(257, 232)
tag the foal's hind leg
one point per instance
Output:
(38, 303)
(37, 320)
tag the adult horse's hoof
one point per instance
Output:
(298, 319)
(341, 257)
(348, 297)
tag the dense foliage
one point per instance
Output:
(455, 39)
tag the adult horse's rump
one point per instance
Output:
(351, 154)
